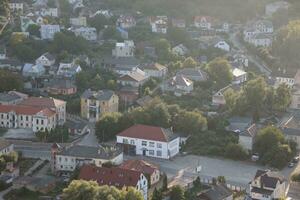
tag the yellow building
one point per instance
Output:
(95, 103)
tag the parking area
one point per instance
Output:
(25, 134)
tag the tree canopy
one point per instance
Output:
(220, 71)
(10, 81)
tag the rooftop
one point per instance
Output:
(139, 165)
(101, 95)
(42, 102)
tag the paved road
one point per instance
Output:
(90, 139)
(252, 58)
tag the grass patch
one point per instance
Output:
(25, 164)
(23, 194)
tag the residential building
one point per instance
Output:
(178, 84)
(60, 86)
(295, 102)
(78, 21)
(66, 160)
(287, 80)
(47, 12)
(115, 176)
(6, 147)
(150, 170)
(203, 22)
(247, 137)
(46, 59)
(218, 98)
(96, 103)
(264, 26)
(68, 69)
(239, 76)
(180, 50)
(33, 70)
(88, 33)
(149, 141)
(178, 23)
(11, 64)
(34, 118)
(126, 21)
(16, 5)
(159, 24)
(124, 49)
(56, 105)
(222, 45)
(25, 23)
(290, 127)
(48, 31)
(154, 70)
(216, 192)
(267, 185)
(194, 74)
(12, 98)
(121, 65)
(133, 79)
(261, 40)
(273, 7)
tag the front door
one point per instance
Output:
(144, 152)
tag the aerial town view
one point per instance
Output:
(149, 99)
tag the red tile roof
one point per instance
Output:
(139, 165)
(114, 176)
(25, 110)
(148, 133)
(41, 102)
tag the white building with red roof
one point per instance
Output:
(149, 141)
(115, 176)
(27, 117)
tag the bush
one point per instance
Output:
(296, 177)
(4, 186)
(235, 152)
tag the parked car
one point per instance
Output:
(296, 159)
(291, 164)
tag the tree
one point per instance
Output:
(221, 179)
(34, 29)
(4, 8)
(178, 35)
(165, 183)
(163, 49)
(189, 63)
(99, 21)
(282, 97)
(80, 189)
(177, 193)
(111, 33)
(10, 81)
(132, 194)
(156, 195)
(220, 71)
(235, 152)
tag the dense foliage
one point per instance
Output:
(10, 81)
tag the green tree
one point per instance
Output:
(177, 193)
(165, 183)
(10, 81)
(156, 195)
(34, 29)
(132, 194)
(4, 8)
(99, 21)
(282, 97)
(111, 33)
(178, 35)
(163, 49)
(235, 152)
(220, 71)
(189, 63)
(80, 189)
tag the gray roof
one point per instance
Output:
(49, 56)
(193, 72)
(60, 83)
(6, 97)
(291, 131)
(101, 152)
(217, 192)
(132, 61)
(102, 95)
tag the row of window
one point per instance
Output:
(158, 153)
(152, 144)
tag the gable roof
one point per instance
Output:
(153, 66)
(102, 95)
(181, 80)
(192, 72)
(48, 56)
(42, 102)
(139, 165)
(217, 192)
(147, 132)
(26, 110)
(268, 178)
(133, 76)
(114, 176)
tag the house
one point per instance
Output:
(216, 192)
(43, 183)
(88, 33)
(295, 102)
(47, 12)
(56, 105)
(12, 98)
(126, 22)
(239, 76)
(149, 141)
(66, 160)
(146, 168)
(267, 185)
(78, 21)
(106, 13)
(180, 50)
(203, 22)
(60, 86)
(194, 74)
(286, 79)
(178, 23)
(6, 147)
(290, 128)
(159, 24)
(264, 26)
(178, 84)
(247, 137)
(154, 70)
(26, 22)
(261, 40)
(34, 118)
(218, 98)
(273, 7)
(222, 45)
(133, 79)
(96, 103)
(47, 59)
(68, 69)
(33, 70)
(143, 101)
(16, 5)
(123, 33)
(48, 31)
(77, 126)
(124, 49)
(115, 176)
(120, 65)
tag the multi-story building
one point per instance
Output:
(56, 105)
(36, 119)
(48, 31)
(12, 97)
(47, 59)
(154, 70)
(133, 79)
(68, 69)
(124, 49)
(78, 21)
(96, 103)
(16, 5)
(267, 185)
(149, 141)
(68, 158)
(126, 21)
(60, 87)
(115, 176)
(88, 33)
(6, 147)
(159, 24)
(203, 22)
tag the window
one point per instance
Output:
(132, 142)
(158, 153)
(42, 122)
(159, 145)
(125, 141)
(144, 143)
(66, 159)
(26, 118)
(151, 152)
(151, 144)
(37, 121)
